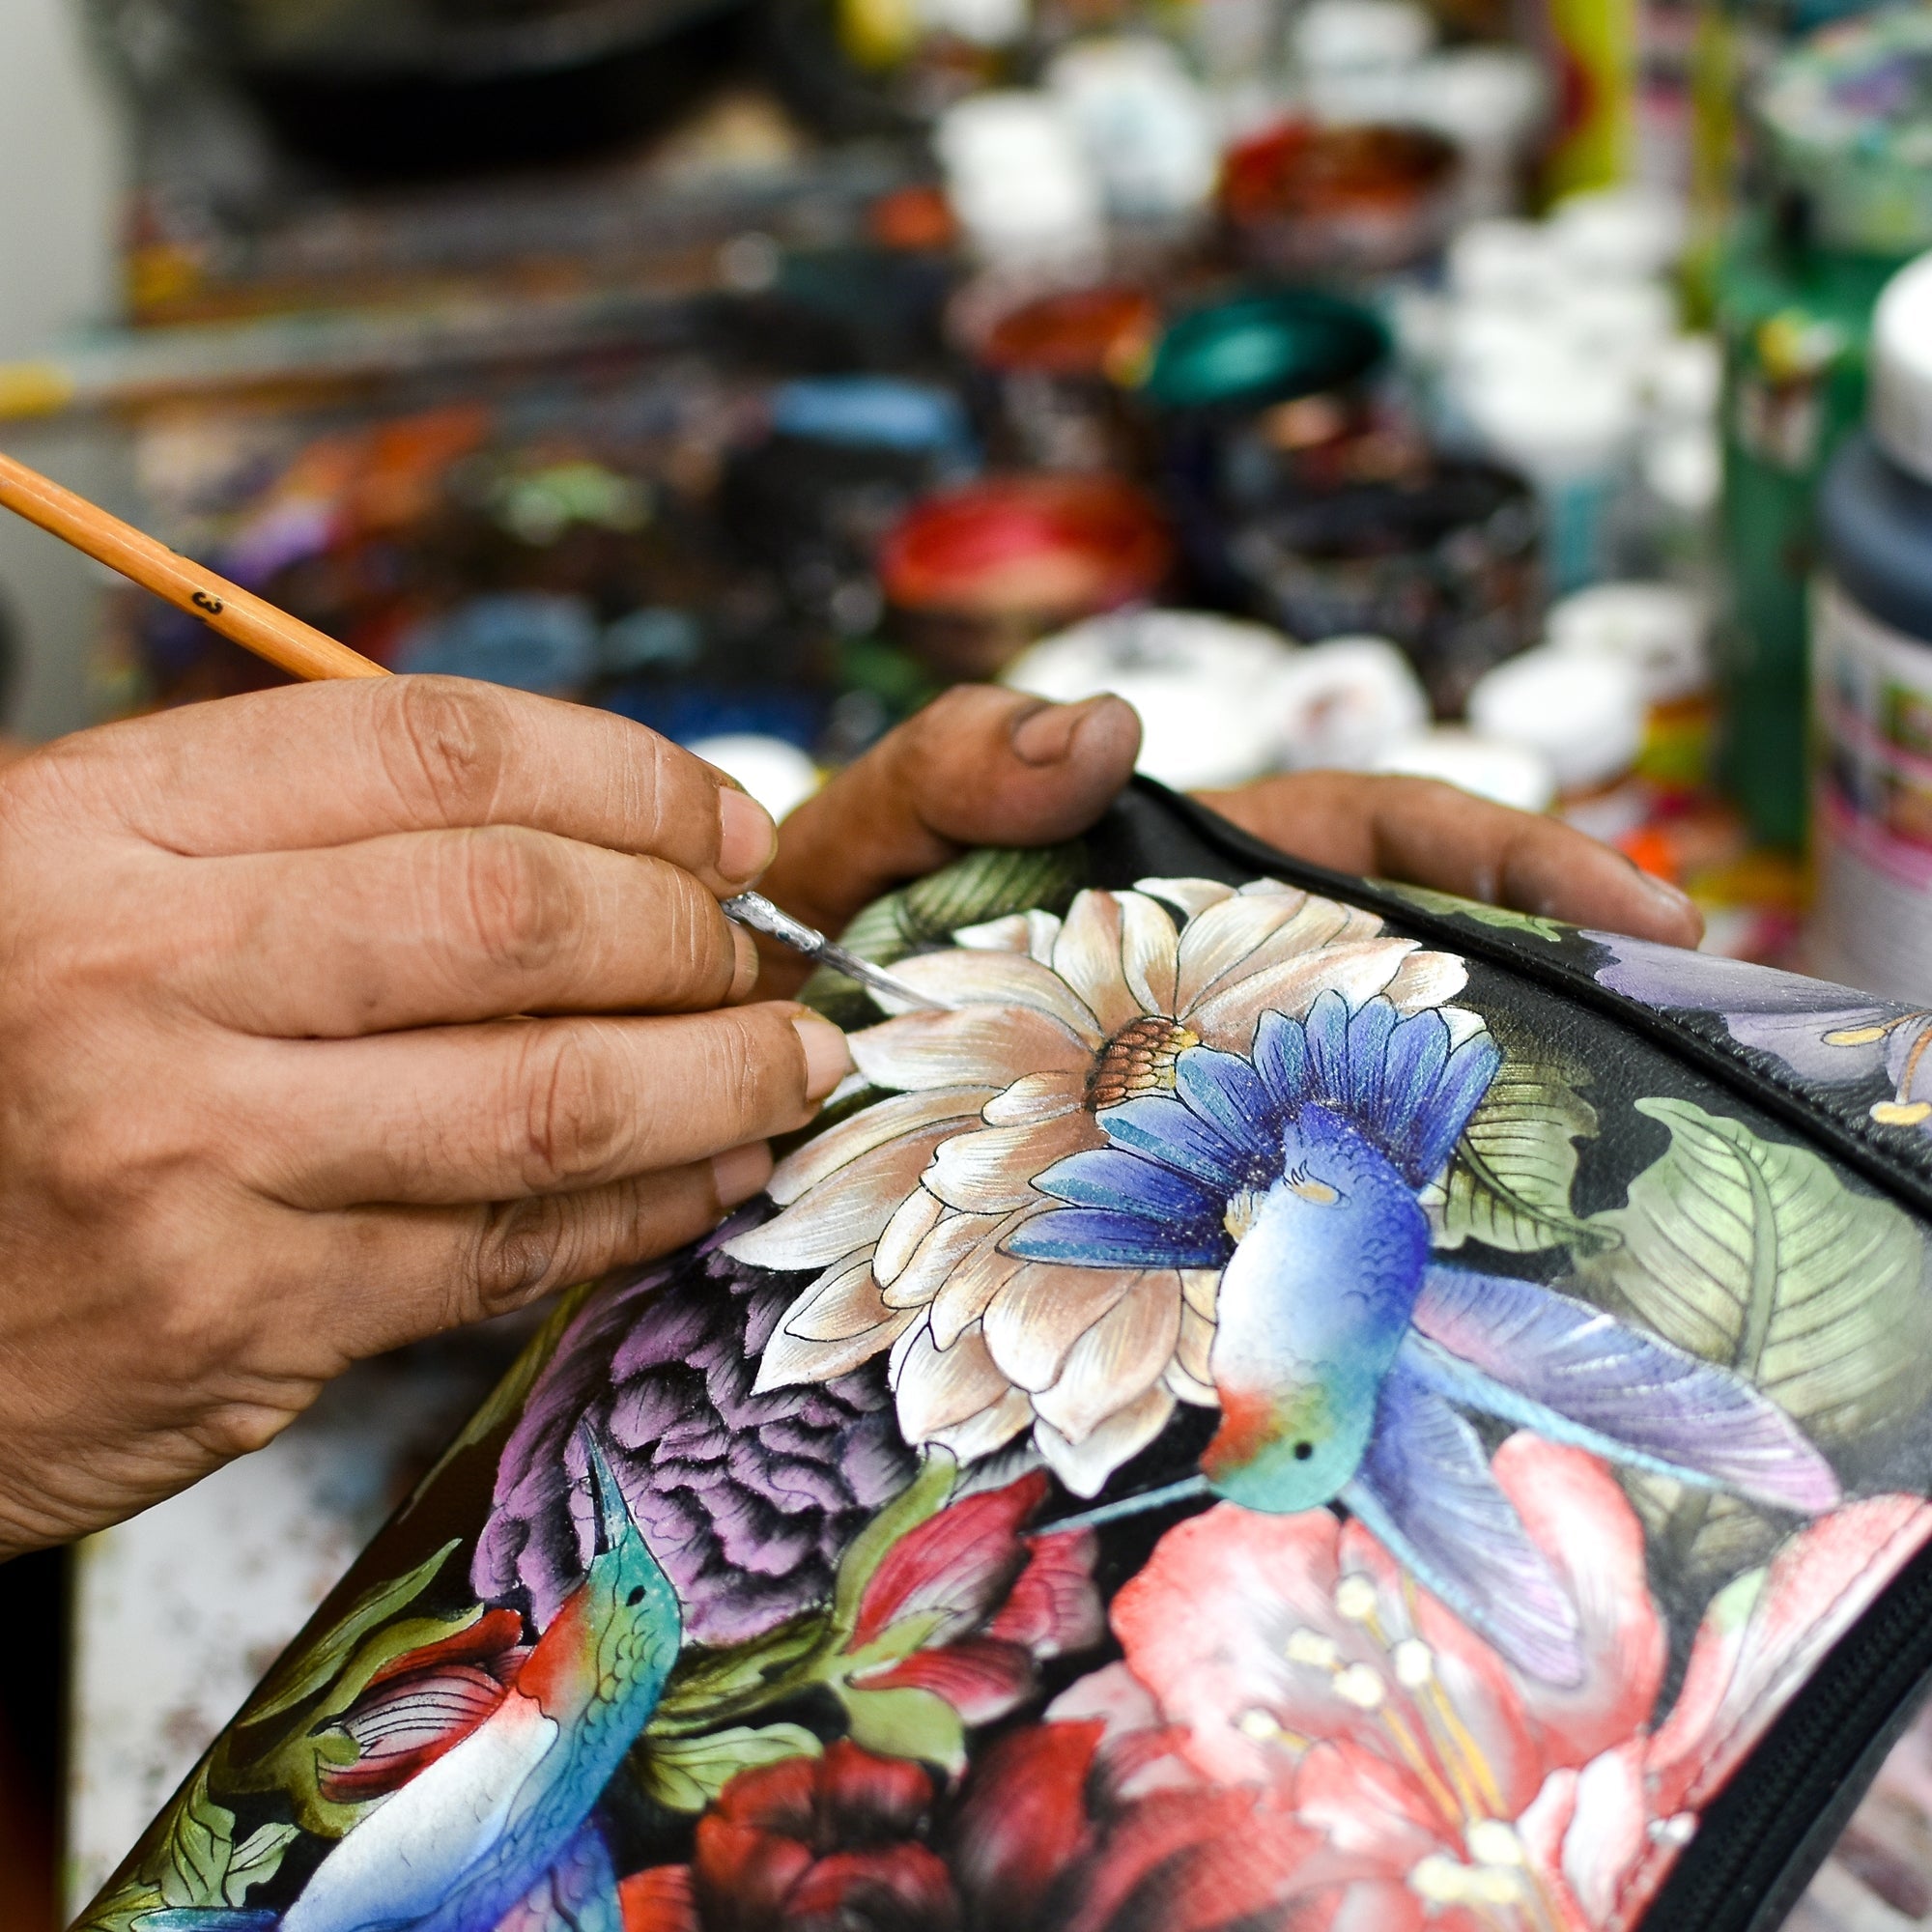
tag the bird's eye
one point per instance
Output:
(1303, 1450)
(635, 1597)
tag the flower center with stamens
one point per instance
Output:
(1138, 1060)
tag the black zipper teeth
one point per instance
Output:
(1759, 1841)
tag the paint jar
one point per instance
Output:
(1020, 181)
(974, 576)
(1872, 669)
(1584, 714)
(1203, 686)
(1354, 59)
(1343, 703)
(1443, 557)
(1338, 203)
(1493, 102)
(1053, 363)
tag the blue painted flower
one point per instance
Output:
(1343, 1356)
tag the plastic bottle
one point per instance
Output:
(1511, 774)
(1872, 669)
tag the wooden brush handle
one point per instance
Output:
(298, 648)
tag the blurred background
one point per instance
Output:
(1533, 393)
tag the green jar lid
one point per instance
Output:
(1264, 348)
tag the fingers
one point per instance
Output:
(387, 1276)
(430, 927)
(523, 1107)
(1431, 834)
(978, 766)
(323, 764)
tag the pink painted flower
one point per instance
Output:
(1413, 1778)
(905, 1208)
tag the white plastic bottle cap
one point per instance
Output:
(1560, 419)
(1503, 260)
(1511, 775)
(1019, 180)
(1684, 380)
(1660, 629)
(1684, 468)
(1333, 36)
(1582, 710)
(1491, 101)
(984, 23)
(1143, 120)
(1344, 702)
(775, 772)
(1200, 682)
(1629, 231)
(1628, 322)
(1901, 393)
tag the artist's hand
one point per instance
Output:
(985, 766)
(1428, 833)
(265, 1102)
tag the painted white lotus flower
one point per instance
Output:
(905, 1207)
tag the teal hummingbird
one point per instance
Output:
(1343, 1356)
(501, 1820)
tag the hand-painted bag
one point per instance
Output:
(1284, 1404)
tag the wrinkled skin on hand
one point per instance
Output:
(335, 1016)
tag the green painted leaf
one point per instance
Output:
(257, 1860)
(687, 1773)
(1508, 1183)
(197, 1850)
(709, 1685)
(305, 1672)
(1447, 905)
(1756, 1254)
(907, 1722)
(923, 1497)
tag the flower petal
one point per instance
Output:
(1428, 980)
(939, 1387)
(991, 1169)
(943, 1249)
(842, 1303)
(1191, 895)
(789, 1361)
(1084, 1466)
(1037, 1097)
(993, 1427)
(1358, 971)
(980, 1046)
(1087, 956)
(1216, 941)
(1033, 1321)
(873, 1127)
(961, 978)
(845, 1212)
(1150, 954)
(913, 1219)
(1193, 1343)
(968, 1292)
(1118, 1359)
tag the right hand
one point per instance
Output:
(269, 1097)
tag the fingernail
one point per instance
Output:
(745, 971)
(1666, 893)
(827, 1057)
(1044, 737)
(738, 1173)
(746, 837)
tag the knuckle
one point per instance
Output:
(513, 898)
(520, 1253)
(448, 741)
(575, 1121)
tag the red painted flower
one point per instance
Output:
(1309, 1734)
(965, 1606)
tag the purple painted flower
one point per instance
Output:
(747, 1500)
(1824, 1032)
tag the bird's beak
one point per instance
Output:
(613, 1518)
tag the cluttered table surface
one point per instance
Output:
(1217, 360)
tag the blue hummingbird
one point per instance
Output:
(500, 1823)
(1343, 1356)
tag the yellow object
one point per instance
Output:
(34, 389)
(877, 34)
(1595, 45)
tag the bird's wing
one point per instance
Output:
(1576, 1375)
(1424, 1489)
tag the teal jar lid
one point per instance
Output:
(1264, 348)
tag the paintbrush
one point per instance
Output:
(305, 652)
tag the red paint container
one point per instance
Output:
(1053, 364)
(1340, 201)
(976, 575)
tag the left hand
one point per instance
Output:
(985, 766)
